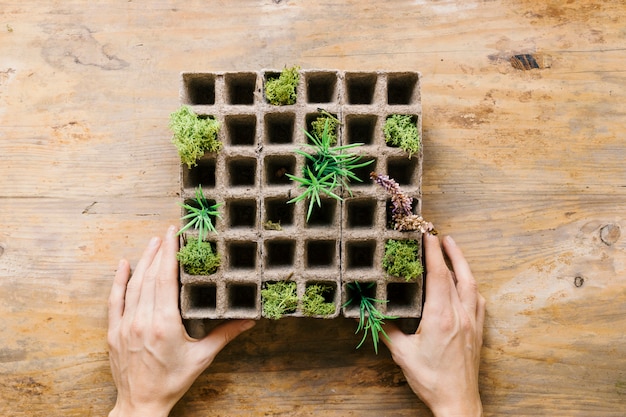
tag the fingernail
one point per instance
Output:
(154, 241)
(171, 230)
(248, 324)
(450, 240)
(120, 264)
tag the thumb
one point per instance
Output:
(220, 336)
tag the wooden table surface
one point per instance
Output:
(525, 168)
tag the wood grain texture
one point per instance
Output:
(525, 168)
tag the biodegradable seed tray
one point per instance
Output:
(343, 241)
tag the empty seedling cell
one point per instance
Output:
(202, 174)
(241, 129)
(278, 211)
(240, 87)
(242, 213)
(320, 87)
(280, 252)
(242, 171)
(324, 215)
(279, 128)
(361, 213)
(363, 173)
(242, 255)
(202, 296)
(402, 170)
(402, 88)
(360, 128)
(242, 296)
(360, 87)
(402, 296)
(199, 88)
(320, 253)
(277, 167)
(360, 254)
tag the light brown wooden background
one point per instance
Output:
(526, 169)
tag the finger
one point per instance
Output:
(134, 286)
(395, 335)
(219, 337)
(167, 280)
(439, 282)
(118, 292)
(465, 282)
(480, 316)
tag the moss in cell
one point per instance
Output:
(400, 130)
(314, 303)
(193, 135)
(279, 298)
(402, 260)
(197, 257)
(282, 90)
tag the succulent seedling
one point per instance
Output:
(200, 214)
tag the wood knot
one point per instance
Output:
(579, 281)
(610, 233)
(1, 249)
(527, 62)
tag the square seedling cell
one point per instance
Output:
(312, 117)
(241, 255)
(276, 168)
(353, 295)
(241, 213)
(278, 211)
(242, 296)
(279, 253)
(242, 171)
(403, 296)
(199, 88)
(402, 88)
(363, 173)
(360, 128)
(240, 87)
(320, 253)
(194, 203)
(279, 128)
(203, 297)
(360, 254)
(360, 87)
(320, 87)
(202, 174)
(323, 216)
(241, 129)
(402, 170)
(414, 119)
(361, 213)
(389, 211)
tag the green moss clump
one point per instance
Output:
(314, 303)
(282, 90)
(319, 125)
(197, 257)
(401, 131)
(401, 259)
(193, 135)
(279, 298)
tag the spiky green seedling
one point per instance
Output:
(400, 130)
(193, 135)
(200, 214)
(197, 257)
(279, 298)
(402, 260)
(282, 90)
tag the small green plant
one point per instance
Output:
(193, 135)
(282, 90)
(270, 225)
(279, 298)
(318, 125)
(402, 260)
(401, 131)
(326, 169)
(314, 303)
(200, 215)
(197, 257)
(371, 320)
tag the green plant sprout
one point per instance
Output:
(370, 318)
(318, 125)
(314, 303)
(270, 225)
(197, 257)
(279, 298)
(401, 259)
(193, 135)
(401, 131)
(282, 90)
(200, 214)
(326, 169)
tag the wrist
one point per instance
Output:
(128, 410)
(466, 410)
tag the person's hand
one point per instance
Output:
(440, 361)
(153, 360)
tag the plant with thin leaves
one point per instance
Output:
(371, 320)
(200, 214)
(326, 169)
